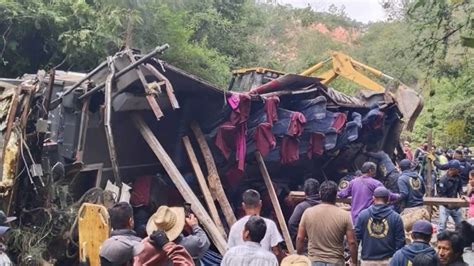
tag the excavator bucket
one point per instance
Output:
(410, 103)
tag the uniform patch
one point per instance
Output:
(377, 228)
(415, 183)
(343, 184)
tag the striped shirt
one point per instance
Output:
(249, 253)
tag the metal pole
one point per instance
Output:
(77, 84)
(157, 50)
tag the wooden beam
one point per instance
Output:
(202, 183)
(180, 183)
(275, 203)
(298, 196)
(213, 176)
(167, 83)
(150, 97)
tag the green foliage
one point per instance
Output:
(421, 44)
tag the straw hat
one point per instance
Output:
(296, 260)
(169, 219)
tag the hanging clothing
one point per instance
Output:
(316, 144)
(264, 138)
(271, 109)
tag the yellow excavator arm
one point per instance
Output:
(343, 65)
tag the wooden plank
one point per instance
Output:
(275, 202)
(154, 106)
(93, 228)
(429, 201)
(180, 183)
(215, 184)
(168, 86)
(150, 97)
(211, 205)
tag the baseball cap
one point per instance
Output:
(422, 227)
(405, 164)
(454, 164)
(120, 249)
(381, 192)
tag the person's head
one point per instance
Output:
(311, 187)
(454, 167)
(457, 154)
(381, 195)
(406, 143)
(251, 201)
(425, 259)
(254, 229)
(328, 192)
(405, 164)
(425, 146)
(422, 230)
(449, 246)
(471, 178)
(169, 219)
(369, 169)
(121, 216)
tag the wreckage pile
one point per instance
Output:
(66, 136)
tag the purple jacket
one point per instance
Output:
(362, 189)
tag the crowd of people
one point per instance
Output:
(382, 227)
(385, 224)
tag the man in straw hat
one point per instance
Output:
(123, 243)
(172, 220)
(4, 228)
(251, 252)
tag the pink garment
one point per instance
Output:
(233, 100)
(471, 206)
(408, 153)
(241, 114)
(271, 109)
(264, 138)
(234, 176)
(289, 150)
(141, 191)
(316, 144)
(241, 146)
(295, 127)
(225, 138)
(231, 134)
(171, 254)
(339, 121)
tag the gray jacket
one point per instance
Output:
(197, 243)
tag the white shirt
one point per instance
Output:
(271, 239)
(249, 253)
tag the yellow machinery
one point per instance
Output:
(409, 101)
(345, 66)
